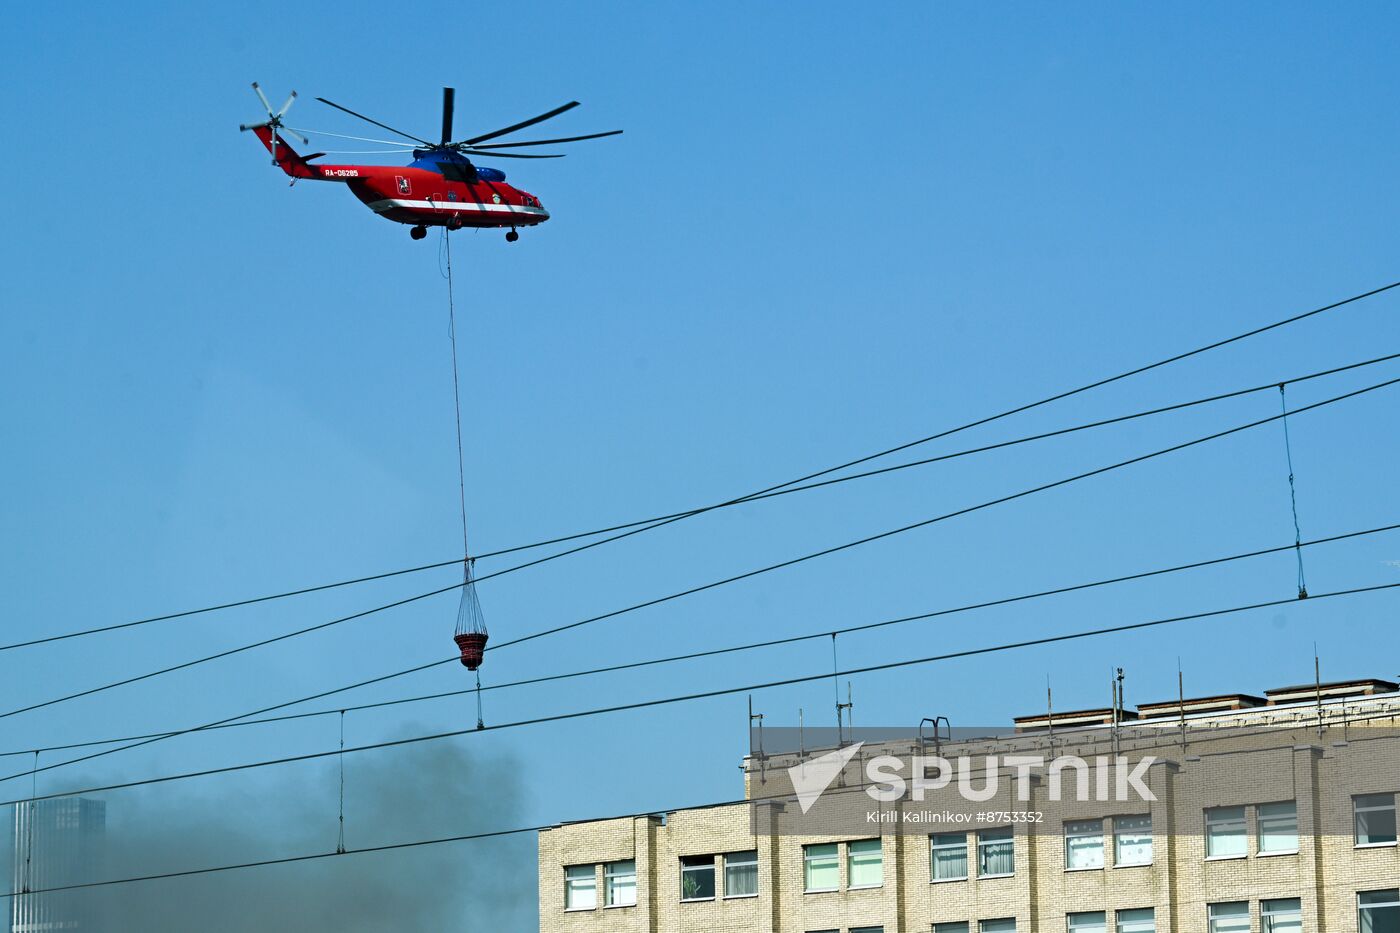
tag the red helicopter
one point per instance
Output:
(441, 187)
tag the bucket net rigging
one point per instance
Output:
(471, 634)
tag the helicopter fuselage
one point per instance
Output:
(448, 193)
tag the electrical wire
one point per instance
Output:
(650, 662)
(1222, 735)
(697, 589)
(710, 694)
(676, 516)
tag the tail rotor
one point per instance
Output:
(274, 121)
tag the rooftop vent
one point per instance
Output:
(1071, 718)
(1216, 704)
(1337, 688)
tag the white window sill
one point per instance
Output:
(1279, 852)
(696, 900)
(1009, 874)
(615, 906)
(1132, 864)
(946, 880)
(1226, 858)
(820, 890)
(740, 897)
(864, 887)
(1375, 845)
(578, 910)
(1085, 868)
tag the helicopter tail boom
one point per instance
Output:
(283, 155)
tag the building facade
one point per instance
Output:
(56, 842)
(1273, 814)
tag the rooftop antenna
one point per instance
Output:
(1049, 710)
(801, 735)
(844, 711)
(1317, 682)
(836, 686)
(762, 758)
(1116, 684)
(1181, 702)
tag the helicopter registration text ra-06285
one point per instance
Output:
(441, 187)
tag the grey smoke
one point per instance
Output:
(414, 792)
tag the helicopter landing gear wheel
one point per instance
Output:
(418, 232)
(512, 236)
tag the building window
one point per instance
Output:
(948, 856)
(1375, 819)
(1132, 840)
(1379, 911)
(1006, 925)
(1084, 844)
(867, 930)
(996, 853)
(865, 866)
(620, 884)
(1089, 922)
(697, 877)
(741, 874)
(1284, 915)
(1232, 917)
(958, 927)
(1225, 832)
(580, 887)
(1278, 827)
(821, 866)
(1137, 921)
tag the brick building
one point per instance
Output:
(1273, 814)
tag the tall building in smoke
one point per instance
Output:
(56, 842)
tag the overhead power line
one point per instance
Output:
(697, 589)
(729, 649)
(657, 521)
(709, 694)
(1168, 740)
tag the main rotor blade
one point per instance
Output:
(382, 126)
(510, 155)
(363, 139)
(288, 104)
(521, 125)
(546, 142)
(449, 96)
(263, 97)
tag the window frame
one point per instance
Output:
(1392, 904)
(1119, 834)
(726, 860)
(1265, 912)
(609, 874)
(952, 926)
(983, 844)
(934, 847)
(1357, 810)
(569, 889)
(1243, 821)
(1082, 834)
(1118, 919)
(1211, 918)
(1102, 923)
(983, 928)
(714, 887)
(879, 845)
(808, 858)
(1259, 834)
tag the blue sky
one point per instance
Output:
(822, 234)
